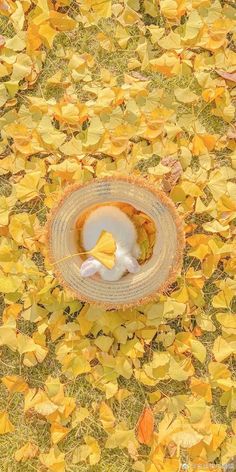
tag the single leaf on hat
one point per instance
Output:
(145, 426)
(104, 250)
(28, 451)
(5, 425)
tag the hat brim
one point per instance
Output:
(133, 289)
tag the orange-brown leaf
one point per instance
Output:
(145, 426)
(227, 75)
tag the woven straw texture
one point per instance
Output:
(132, 289)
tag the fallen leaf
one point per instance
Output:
(227, 75)
(145, 426)
(5, 425)
(28, 451)
(54, 460)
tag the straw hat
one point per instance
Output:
(132, 289)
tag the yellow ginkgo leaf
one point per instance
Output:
(15, 383)
(90, 451)
(95, 132)
(106, 417)
(185, 95)
(29, 186)
(47, 33)
(103, 251)
(46, 408)
(54, 460)
(28, 451)
(5, 424)
(58, 432)
(105, 248)
(221, 349)
(10, 283)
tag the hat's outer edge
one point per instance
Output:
(177, 261)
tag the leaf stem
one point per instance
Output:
(70, 255)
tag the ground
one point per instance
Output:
(89, 89)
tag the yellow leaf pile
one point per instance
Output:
(90, 89)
